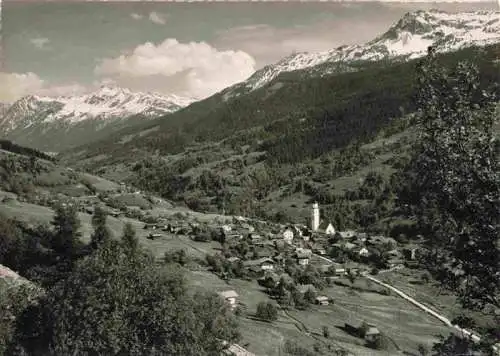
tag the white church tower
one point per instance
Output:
(315, 217)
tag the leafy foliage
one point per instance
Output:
(455, 187)
(115, 302)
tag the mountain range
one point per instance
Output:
(36, 120)
(407, 39)
(57, 124)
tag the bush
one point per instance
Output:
(267, 311)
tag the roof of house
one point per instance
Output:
(324, 225)
(229, 294)
(258, 262)
(372, 331)
(349, 245)
(237, 350)
(233, 259)
(321, 298)
(303, 253)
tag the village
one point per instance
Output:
(293, 263)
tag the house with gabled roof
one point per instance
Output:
(327, 228)
(231, 297)
(288, 236)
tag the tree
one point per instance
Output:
(454, 183)
(114, 303)
(101, 232)
(129, 240)
(267, 311)
(66, 230)
(310, 295)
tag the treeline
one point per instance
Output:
(105, 297)
(12, 147)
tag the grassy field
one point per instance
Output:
(432, 295)
(405, 324)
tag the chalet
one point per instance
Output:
(264, 264)
(318, 249)
(297, 230)
(322, 300)
(233, 259)
(362, 251)
(288, 236)
(393, 262)
(150, 227)
(410, 253)
(248, 227)
(153, 236)
(231, 297)
(348, 246)
(237, 350)
(347, 234)
(326, 228)
(371, 333)
(254, 237)
(340, 271)
(303, 256)
(114, 213)
(226, 228)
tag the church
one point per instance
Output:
(324, 227)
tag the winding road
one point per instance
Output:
(474, 336)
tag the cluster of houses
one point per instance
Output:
(309, 244)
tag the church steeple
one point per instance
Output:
(315, 217)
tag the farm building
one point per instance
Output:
(362, 251)
(322, 300)
(288, 236)
(264, 263)
(347, 234)
(303, 256)
(231, 297)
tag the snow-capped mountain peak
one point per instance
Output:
(106, 109)
(107, 103)
(408, 38)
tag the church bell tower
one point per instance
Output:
(315, 217)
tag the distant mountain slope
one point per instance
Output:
(54, 124)
(406, 39)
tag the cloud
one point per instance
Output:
(39, 42)
(193, 69)
(62, 90)
(16, 85)
(269, 44)
(157, 18)
(136, 16)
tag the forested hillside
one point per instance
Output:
(272, 152)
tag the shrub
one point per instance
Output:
(267, 311)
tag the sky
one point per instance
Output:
(191, 49)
